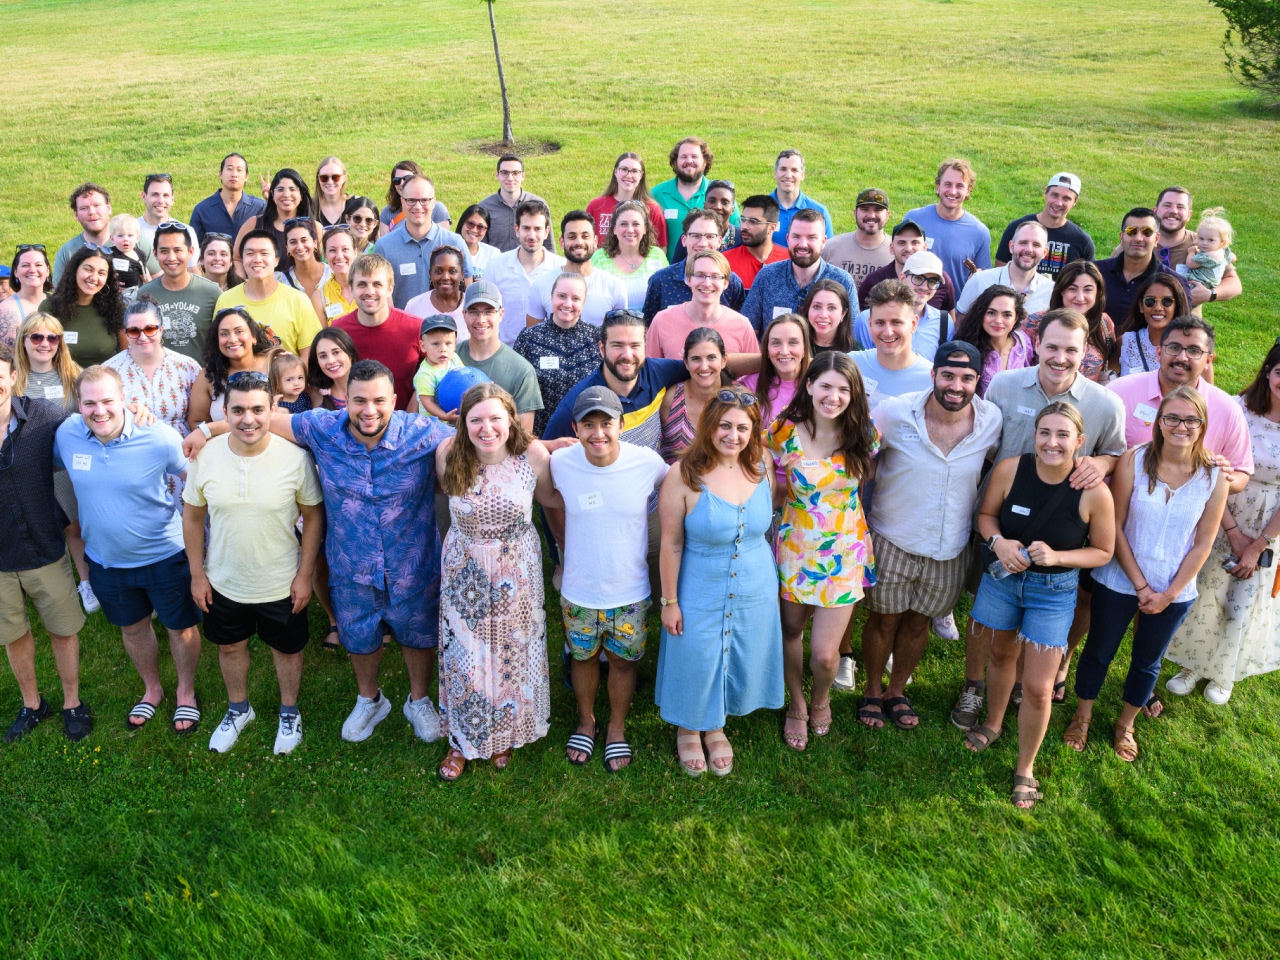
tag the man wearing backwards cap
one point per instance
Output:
(867, 248)
(607, 486)
(1067, 241)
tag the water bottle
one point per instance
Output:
(997, 569)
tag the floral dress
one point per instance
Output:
(1233, 628)
(823, 548)
(494, 689)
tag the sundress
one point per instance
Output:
(494, 690)
(823, 548)
(1233, 628)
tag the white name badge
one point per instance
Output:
(81, 461)
(1022, 511)
(70, 336)
(909, 436)
(810, 464)
(333, 310)
(779, 311)
(869, 385)
(54, 392)
(590, 501)
(408, 269)
(120, 263)
(671, 214)
(1028, 411)
(548, 363)
(1145, 412)
(928, 243)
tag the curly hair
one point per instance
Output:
(107, 301)
(971, 329)
(217, 366)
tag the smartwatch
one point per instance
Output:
(203, 427)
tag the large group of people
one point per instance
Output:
(736, 424)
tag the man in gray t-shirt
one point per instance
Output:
(482, 310)
(186, 301)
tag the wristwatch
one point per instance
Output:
(668, 603)
(1213, 295)
(991, 544)
(203, 427)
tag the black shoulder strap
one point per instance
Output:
(1042, 514)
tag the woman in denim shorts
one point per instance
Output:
(1028, 594)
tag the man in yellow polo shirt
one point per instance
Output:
(286, 312)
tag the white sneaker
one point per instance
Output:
(90, 602)
(228, 732)
(945, 627)
(1218, 693)
(366, 715)
(289, 733)
(888, 672)
(1183, 683)
(424, 718)
(846, 674)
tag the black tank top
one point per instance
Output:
(1062, 529)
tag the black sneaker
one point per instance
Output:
(78, 722)
(27, 721)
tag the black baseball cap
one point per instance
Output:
(438, 321)
(943, 356)
(904, 225)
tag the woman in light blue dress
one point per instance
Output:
(721, 652)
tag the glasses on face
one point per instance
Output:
(329, 177)
(1177, 349)
(248, 377)
(757, 222)
(133, 333)
(930, 282)
(741, 399)
(706, 277)
(1134, 231)
(363, 221)
(1163, 301)
(399, 181)
(297, 222)
(631, 171)
(695, 237)
(53, 339)
(510, 174)
(1172, 422)
(24, 247)
(217, 236)
(419, 201)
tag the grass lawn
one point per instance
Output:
(871, 844)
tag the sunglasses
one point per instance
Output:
(328, 177)
(296, 222)
(363, 221)
(156, 178)
(742, 399)
(215, 236)
(399, 181)
(629, 314)
(53, 339)
(133, 333)
(24, 247)
(1134, 231)
(1163, 301)
(248, 377)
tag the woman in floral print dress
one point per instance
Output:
(494, 692)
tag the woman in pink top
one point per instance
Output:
(627, 183)
(707, 275)
(784, 360)
(682, 404)
(994, 325)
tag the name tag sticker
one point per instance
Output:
(910, 436)
(779, 311)
(591, 501)
(869, 385)
(70, 336)
(121, 263)
(54, 392)
(1145, 412)
(81, 461)
(671, 214)
(810, 464)
(333, 310)
(1022, 511)
(408, 269)
(548, 363)
(1028, 411)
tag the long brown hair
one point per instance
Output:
(700, 457)
(1097, 332)
(857, 433)
(66, 368)
(462, 463)
(1155, 449)
(1257, 396)
(611, 246)
(768, 376)
(642, 188)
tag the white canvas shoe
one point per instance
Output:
(87, 598)
(1218, 693)
(1183, 683)
(846, 674)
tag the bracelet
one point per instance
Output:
(1229, 529)
(1145, 586)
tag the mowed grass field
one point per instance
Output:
(872, 844)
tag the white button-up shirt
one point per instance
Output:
(1037, 294)
(517, 285)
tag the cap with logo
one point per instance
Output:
(873, 197)
(922, 263)
(438, 321)
(908, 224)
(594, 399)
(943, 356)
(483, 291)
(1068, 180)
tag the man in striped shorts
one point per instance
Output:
(932, 450)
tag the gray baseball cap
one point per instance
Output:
(597, 398)
(483, 291)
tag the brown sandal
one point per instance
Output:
(500, 760)
(453, 765)
(1026, 790)
(820, 729)
(799, 742)
(1124, 741)
(1076, 736)
(981, 738)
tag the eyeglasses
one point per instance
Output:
(294, 222)
(176, 225)
(706, 277)
(702, 236)
(633, 171)
(1177, 349)
(248, 377)
(1163, 301)
(53, 339)
(217, 236)
(133, 333)
(418, 201)
(328, 177)
(509, 174)
(741, 398)
(1134, 231)
(757, 222)
(929, 282)
(1172, 422)
(24, 247)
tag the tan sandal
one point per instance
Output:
(1124, 741)
(797, 742)
(500, 760)
(718, 748)
(688, 751)
(820, 729)
(1076, 736)
(453, 765)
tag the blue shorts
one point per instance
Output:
(365, 613)
(1040, 606)
(129, 594)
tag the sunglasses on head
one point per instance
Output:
(619, 314)
(1163, 301)
(215, 236)
(173, 225)
(53, 339)
(742, 399)
(24, 247)
(248, 377)
(156, 178)
(133, 333)
(1134, 231)
(297, 222)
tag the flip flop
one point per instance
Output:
(582, 744)
(335, 646)
(189, 714)
(613, 752)
(141, 709)
(1061, 685)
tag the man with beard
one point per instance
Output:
(517, 271)
(605, 291)
(1067, 241)
(668, 287)
(867, 248)
(906, 240)
(1135, 262)
(933, 447)
(788, 174)
(187, 302)
(757, 249)
(1022, 272)
(378, 330)
(91, 205)
(955, 235)
(691, 161)
(781, 287)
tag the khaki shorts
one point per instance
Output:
(905, 581)
(53, 591)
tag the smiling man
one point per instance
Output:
(703, 232)
(157, 198)
(187, 302)
(691, 161)
(1067, 241)
(229, 207)
(788, 174)
(285, 311)
(484, 350)
(503, 206)
(1022, 272)
(408, 250)
(1136, 262)
(781, 287)
(893, 367)
(955, 235)
(518, 271)
(380, 331)
(923, 274)
(868, 247)
(91, 205)
(605, 291)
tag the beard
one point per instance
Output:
(614, 370)
(950, 406)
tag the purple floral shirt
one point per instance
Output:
(380, 503)
(1022, 355)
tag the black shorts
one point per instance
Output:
(275, 623)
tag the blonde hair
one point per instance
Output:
(120, 222)
(99, 372)
(367, 264)
(1155, 449)
(713, 255)
(66, 368)
(957, 163)
(462, 464)
(1216, 217)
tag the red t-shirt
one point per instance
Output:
(394, 343)
(744, 263)
(601, 210)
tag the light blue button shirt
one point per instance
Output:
(411, 259)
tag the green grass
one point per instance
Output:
(872, 844)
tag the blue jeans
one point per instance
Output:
(1110, 616)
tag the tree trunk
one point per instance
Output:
(508, 138)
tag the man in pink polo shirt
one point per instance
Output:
(1184, 352)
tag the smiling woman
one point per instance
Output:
(91, 311)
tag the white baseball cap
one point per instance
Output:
(1068, 180)
(922, 263)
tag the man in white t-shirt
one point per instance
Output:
(1029, 246)
(605, 292)
(608, 489)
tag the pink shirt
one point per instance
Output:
(1227, 433)
(671, 326)
(780, 395)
